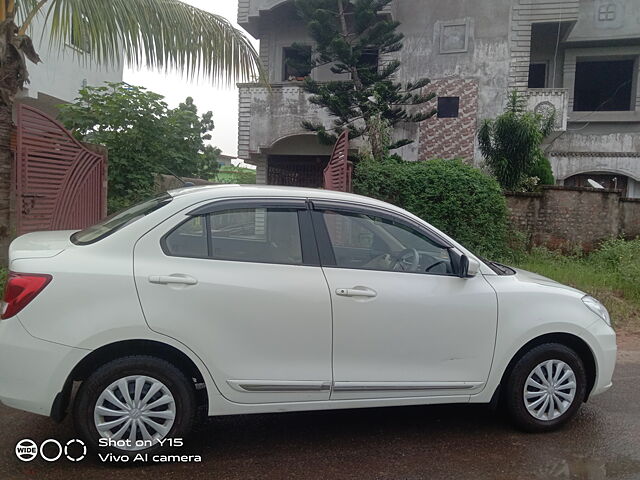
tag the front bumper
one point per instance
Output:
(605, 353)
(32, 371)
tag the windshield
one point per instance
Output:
(119, 220)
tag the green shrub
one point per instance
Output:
(542, 169)
(3, 279)
(451, 195)
(620, 256)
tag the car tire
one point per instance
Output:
(546, 388)
(171, 409)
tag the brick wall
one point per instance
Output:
(164, 183)
(630, 216)
(451, 137)
(565, 217)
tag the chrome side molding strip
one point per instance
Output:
(402, 386)
(279, 386)
(275, 386)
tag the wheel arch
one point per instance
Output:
(569, 340)
(125, 348)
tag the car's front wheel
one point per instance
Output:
(135, 404)
(546, 388)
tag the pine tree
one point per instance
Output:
(352, 37)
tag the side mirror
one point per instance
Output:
(468, 267)
(474, 267)
(463, 266)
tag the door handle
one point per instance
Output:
(173, 279)
(356, 292)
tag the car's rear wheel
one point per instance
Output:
(135, 405)
(546, 388)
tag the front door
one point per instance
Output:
(240, 285)
(404, 324)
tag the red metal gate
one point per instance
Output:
(337, 175)
(59, 183)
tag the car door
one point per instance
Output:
(239, 283)
(404, 323)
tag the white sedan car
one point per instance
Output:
(232, 300)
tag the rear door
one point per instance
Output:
(240, 284)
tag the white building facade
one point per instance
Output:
(62, 72)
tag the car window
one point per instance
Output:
(374, 243)
(189, 239)
(262, 235)
(266, 235)
(119, 220)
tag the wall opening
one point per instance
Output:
(297, 170)
(604, 86)
(370, 58)
(296, 62)
(448, 107)
(538, 75)
(610, 181)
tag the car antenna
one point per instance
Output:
(184, 184)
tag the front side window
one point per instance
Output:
(260, 235)
(119, 220)
(368, 242)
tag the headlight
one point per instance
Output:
(596, 307)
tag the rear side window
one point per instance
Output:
(189, 239)
(259, 235)
(119, 220)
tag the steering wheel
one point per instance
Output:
(433, 265)
(407, 260)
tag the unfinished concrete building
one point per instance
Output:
(576, 58)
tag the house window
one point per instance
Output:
(607, 12)
(370, 59)
(297, 63)
(538, 75)
(448, 107)
(604, 86)
(79, 34)
(454, 37)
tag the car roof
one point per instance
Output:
(213, 192)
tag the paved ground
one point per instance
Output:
(462, 442)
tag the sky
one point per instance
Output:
(223, 102)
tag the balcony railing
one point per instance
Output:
(268, 114)
(547, 101)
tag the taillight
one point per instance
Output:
(20, 289)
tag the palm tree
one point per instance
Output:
(160, 34)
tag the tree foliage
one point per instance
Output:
(160, 34)
(511, 144)
(453, 196)
(144, 137)
(236, 175)
(352, 37)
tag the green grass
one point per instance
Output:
(610, 274)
